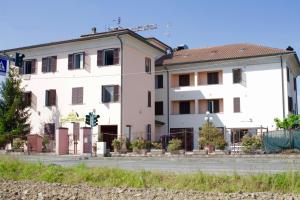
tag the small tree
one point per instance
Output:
(210, 135)
(14, 113)
(291, 121)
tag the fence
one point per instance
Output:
(277, 141)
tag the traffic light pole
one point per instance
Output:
(91, 139)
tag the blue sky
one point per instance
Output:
(197, 23)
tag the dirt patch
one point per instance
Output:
(45, 191)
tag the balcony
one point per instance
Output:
(210, 78)
(183, 107)
(182, 80)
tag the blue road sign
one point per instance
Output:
(3, 65)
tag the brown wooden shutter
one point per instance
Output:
(52, 97)
(116, 56)
(53, 63)
(80, 95)
(100, 58)
(33, 66)
(74, 95)
(236, 104)
(44, 64)
(116, 93)
(70, 61)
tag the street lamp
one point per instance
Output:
(208, 118)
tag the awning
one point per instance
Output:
(159, 123)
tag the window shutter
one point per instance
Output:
(44, 64)
(100, 58)
(116, 56)
(53, 63)
(74, 95)
(33, 66)
(47, 98)
(52, 97)
(116, 93)
(236, 104)
(149, 99)
(216, 106)
(71, 61)
(80, 95)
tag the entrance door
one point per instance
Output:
(109, 133)
(186, 135)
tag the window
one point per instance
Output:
(237, 75)
(76, 61)
(49, 129)
(236, 105)
(290, 104)
(148, 65)
(50, 98)
(149, 99)
(159, 108)
(213, 78)
(49, 64)
(108, 57)
(159, 81)
(77, 95)
(184, 80)
(26, 98)
(288, 74)
(110, 93)
(213, 106)
(295, 84)
(148, 127)
(28, 67)
(184, 107)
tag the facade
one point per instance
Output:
(244, 87)
(109, 73)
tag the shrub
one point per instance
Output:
(174, 145)
(251, 143)
(18, 143)
(210, 135)
(117, 144)
(139, 144)
(156, 145)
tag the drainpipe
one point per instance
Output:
(121, 111)
(282, 88)
(168, 101)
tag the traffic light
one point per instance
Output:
(19, 59)
(88, 119)
(95, 120)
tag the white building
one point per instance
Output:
(111, 73)
(243, 86)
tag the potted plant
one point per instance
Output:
(211, 137)
(174, 146)
(18, 145)
(117, 144)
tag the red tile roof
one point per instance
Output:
(226, 52)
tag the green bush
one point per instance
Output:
(139, 144)
(174, 145)
(210, 135)
(18, 143)
(117, 144)
(251, 143)
(156, 145)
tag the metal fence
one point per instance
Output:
(277, 141)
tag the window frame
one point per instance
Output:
(158, 84)
(236, 80)
(113, 98)
(149, 99)
(217, 78)
(181, 78)
(236, 100)
(212, 108)
(184, 110)
(148, 65)
(104, 56)
(161, 106)
(77, 102)
(81, 63)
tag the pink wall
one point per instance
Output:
(86, 139)
(35, 142)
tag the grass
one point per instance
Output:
(11, 169)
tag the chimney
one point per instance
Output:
(94, 30)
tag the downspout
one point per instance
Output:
(168, 101)
(121, 111)
(282, 88)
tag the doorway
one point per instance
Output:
(108, 134)
(186, 135)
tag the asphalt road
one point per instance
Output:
(214, 164)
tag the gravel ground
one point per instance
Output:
(41, 191)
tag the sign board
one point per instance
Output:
(3, 66)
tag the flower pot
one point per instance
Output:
(209, 148)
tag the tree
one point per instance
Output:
(210, 135)
(14, 113)
(290, 122)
